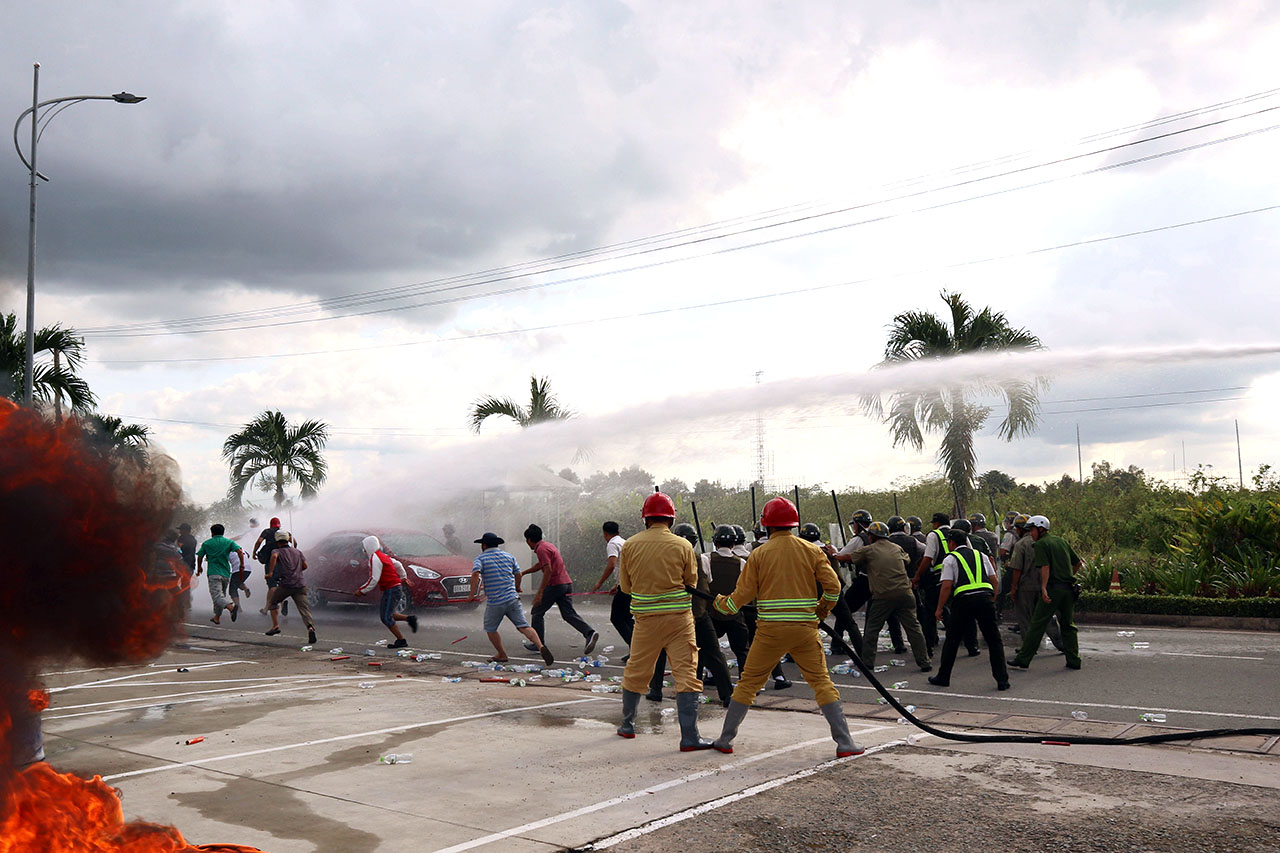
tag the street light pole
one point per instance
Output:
(28, 386)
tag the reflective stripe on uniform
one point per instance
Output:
(726, 606)
(946, 552)
(663, 602)
(787, 609)
(976, 576)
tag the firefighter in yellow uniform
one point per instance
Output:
(782, 577)
(654, 568)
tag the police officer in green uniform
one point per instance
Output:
(1057, 562)
(969, 580)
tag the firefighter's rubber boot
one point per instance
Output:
(732, 719)
(845, 744)
(687, 713)
(630, 701)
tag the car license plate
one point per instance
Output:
(463, 586)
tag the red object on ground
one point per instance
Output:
(340, 657)
(195, 740)
(459, 640)
(1055, 743)
(496, 680)
(375, 663)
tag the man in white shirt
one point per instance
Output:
(620, 610)
(971, 576)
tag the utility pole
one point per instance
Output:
(760, 454)
(1079, 455)
(1239, 457)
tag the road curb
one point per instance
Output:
(1168, 620)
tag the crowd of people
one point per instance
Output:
(673, 603)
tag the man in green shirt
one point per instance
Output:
(1057, 563)
(217, 550)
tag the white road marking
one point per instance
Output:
(267, 679)
(652, 789)
(199, 763)
(48, 717)
(661, 823)
(1193, 655)
(272, 683)
(87, 684)
(937, 695)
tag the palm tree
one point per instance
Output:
(51, 382)
(113, 435)
(278, 455)
(947, 408)
(543, 406)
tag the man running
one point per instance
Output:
(217, 550)
(555, 590)
(498, 570)
(388, 575)
(285, 567)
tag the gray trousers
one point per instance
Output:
(218, 592)
(878, 612)
(1025, 605)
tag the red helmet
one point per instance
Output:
(275, 522)
(658, 505)
(780, 512)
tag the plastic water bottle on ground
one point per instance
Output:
(455, 680)
(365, 685)
(517, 682)
(914, 739)
(403, 653)
(1141, 645)
(667, 712)
(724, 644)
(396, 758)
(1079, 715)
(608, 649)
(901, 685)
(336, 651)
(903, 721)
(419, 658)
(897, 663)
(1152, 718)
(882, 701)
(1126, 633)
(882, 668)
(382, 642)
(370, 653)
(911, 709)
(307, 648)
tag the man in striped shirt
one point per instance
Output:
(656, 568)
(782, 576)
(498, 570)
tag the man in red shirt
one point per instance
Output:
(555, 590)
(387, 573)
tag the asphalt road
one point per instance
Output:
(1198, 678)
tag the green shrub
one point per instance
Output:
(1179, 605)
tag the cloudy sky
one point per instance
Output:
(373, 214)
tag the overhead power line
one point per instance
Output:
(777, 294)
(641, 246)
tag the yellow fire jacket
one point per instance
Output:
(782, 576)
(654, 568)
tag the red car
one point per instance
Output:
(436, 576)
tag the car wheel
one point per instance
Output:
(315, 600)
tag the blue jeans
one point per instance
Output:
(392, 603)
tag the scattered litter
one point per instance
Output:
(365, 685)
(896, 662)
(341, 657)
(914, 739)
(616, 679)
(882, 668)
(901, 685)
(183, 669)
(903, 721)
(336, 651)
(371, 653)
(495, 680)
(606, 688)
(592, 677)
(455, 680)
(1126, 633)
(396, 758)
(667, 712)
(1141, 645)
(732, 663)
(724, 644)
(375, 663)
(307, 648)
(382, 642)
(911, 709)
(517, 682)
(1079, 715)
(608, 649)
(884, 632)
(1152, 718)
(882, 701)
(195, 740)
(427, 656)
(459, 640)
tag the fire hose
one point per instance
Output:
(1055, 740)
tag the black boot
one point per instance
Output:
(687, 713)
(630, 701)
(732, 719)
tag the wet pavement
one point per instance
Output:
(292, 739)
